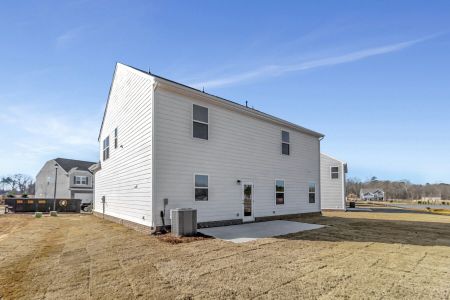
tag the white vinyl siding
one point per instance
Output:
(240, 147)
(332, 190)
(125, 179)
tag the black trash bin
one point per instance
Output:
(352, 204)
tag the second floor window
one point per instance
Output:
(106, 148)
(116, 138)
(80, 180)
(200, 122)
(334, 172)
(285, 143)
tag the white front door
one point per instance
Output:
(247, 202)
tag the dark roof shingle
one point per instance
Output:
(68, 164)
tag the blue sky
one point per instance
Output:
(372, 76)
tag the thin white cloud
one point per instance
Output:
(40, 134)
(61, 129)
(69, 36)
(277, 70)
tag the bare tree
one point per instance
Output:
(17, 183)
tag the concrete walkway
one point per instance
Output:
(253, 231)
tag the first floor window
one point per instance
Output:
(80, 180)
(200, 122)
(106, 148)
(334, 172)
(201, 187)
(312, 192)
(279, 192)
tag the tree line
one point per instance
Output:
(401, 189)
(17, 184)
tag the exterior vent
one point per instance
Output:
(184, 221)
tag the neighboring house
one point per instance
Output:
(162, 141)
(74, 180)
(432, 198)
(332, 183)
(371, 194)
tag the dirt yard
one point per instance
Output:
(359, 255)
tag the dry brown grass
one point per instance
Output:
(359, 255)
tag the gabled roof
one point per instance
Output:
(69, 164)
(230, 103)
(371, 191)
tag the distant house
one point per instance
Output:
(332, 183)
(74, 180)
(371, 194)
(432, 198)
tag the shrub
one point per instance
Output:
(24, 195)
(10, 195)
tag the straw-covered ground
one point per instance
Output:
(359, 255)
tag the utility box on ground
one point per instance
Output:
(184, 221)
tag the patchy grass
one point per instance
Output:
(171, 239)
(445, 212)
(359, 255)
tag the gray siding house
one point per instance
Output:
(332, 183)
(164, 142)
(74, 180)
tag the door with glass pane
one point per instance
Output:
(247, 195)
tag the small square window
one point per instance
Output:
(200, 130)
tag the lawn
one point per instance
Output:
(358, 255)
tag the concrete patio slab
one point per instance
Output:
(253, 231)
(359, 209)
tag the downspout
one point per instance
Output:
(154, 214)
(320, 181)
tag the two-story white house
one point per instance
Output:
(70, 177)
(164, 142)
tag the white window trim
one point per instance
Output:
(331, 172)
(201, 122)
(284, 192)
(315, 192)
(106, 148)
(207, 188)
(283, 142)
(81, 177)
